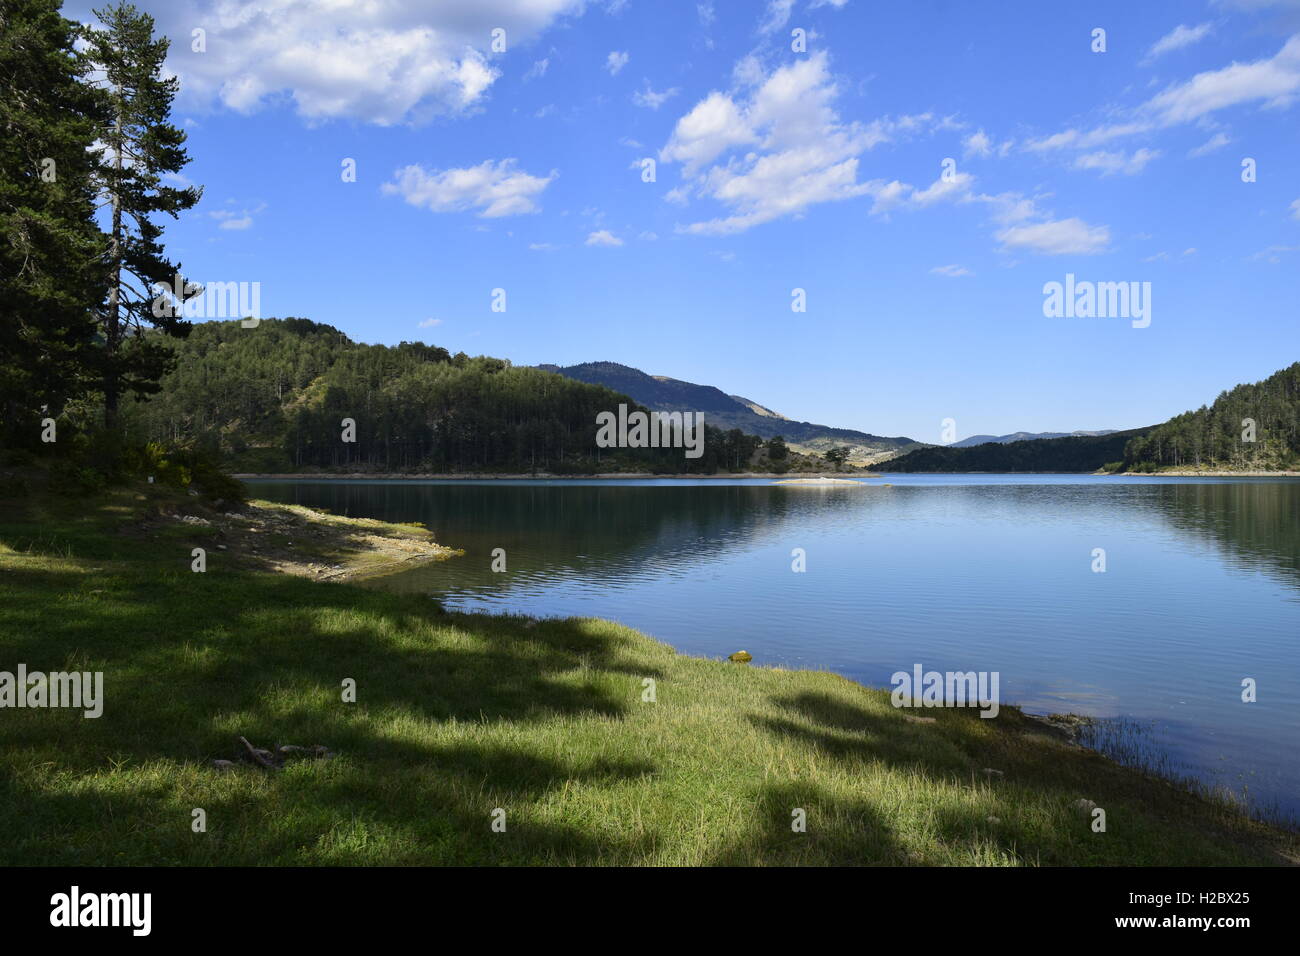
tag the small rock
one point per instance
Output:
(919, 720)
(993, 820)
(741, 657)
(223, 765)
(1084, 806)
(992, 773)
(222, 547)
(290, 750)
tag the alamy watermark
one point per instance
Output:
(212, 300)
(82, 690)
(922, 688)
(651, 430)
(75, 908)
(1098, 300)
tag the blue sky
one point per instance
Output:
(776, 169)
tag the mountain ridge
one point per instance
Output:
(664, 393)
(974, 440)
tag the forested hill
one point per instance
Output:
(272, 399)
(1072, 454)
(1218, 436)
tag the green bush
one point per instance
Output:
(71, 478)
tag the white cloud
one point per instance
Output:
(888, 195)
(541, 246)
(385, 62)
(1076, 139)
(797, 150)
(538, 69)
(1057, 237)
(713, 125)
(1295, 210)
(977, 144)
(1276, 81)
(942, 189)
(648, 236)
(236, 219)
(1178, 38)
(952, 272)
(893, 195)
(430, 323)
(1109, 163)
(652, 100)
(603, 237)
(616, 61)
(776, 16)
(1273, 254)
(1217, 141)
(494, 189)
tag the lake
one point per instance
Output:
(1201, 588)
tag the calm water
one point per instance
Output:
(985, 573)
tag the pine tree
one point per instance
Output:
(51, 274)
(140, 146)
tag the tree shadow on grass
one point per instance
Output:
(837, 832)
(190, 661)
(856, 738)
(203, 646)
(403, 806)
(1026, 809)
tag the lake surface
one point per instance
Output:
(953, 572)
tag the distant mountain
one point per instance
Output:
(1025, 436)
(1084, 453)
(661, 393)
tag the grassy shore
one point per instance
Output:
(536, 476)
(458, 715)
(1205, 473)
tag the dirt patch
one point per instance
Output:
(293, 539)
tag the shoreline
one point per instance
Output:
(1206, 474)
(475, 476)
(462, 710)
(785, 478)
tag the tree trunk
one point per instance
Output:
(112, 331)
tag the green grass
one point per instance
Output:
(460, 714)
